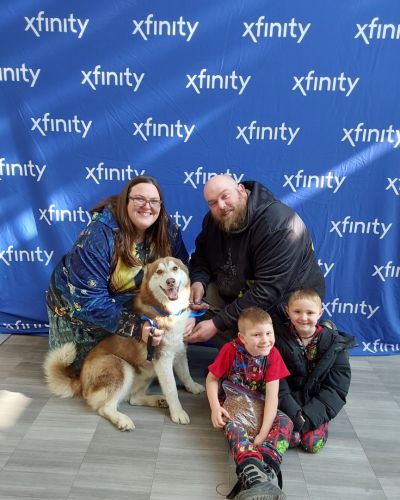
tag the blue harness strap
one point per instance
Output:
(193, 314)
(153, 325)
(150, 347)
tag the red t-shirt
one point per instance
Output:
(234, 363)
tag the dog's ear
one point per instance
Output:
(150, 267)
(146, 270)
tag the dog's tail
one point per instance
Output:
(61, 379)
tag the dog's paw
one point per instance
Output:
(195, 388)
(180, 417)
(155, 400)
(162, 403)
(124, 423)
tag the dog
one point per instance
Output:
(117, 368)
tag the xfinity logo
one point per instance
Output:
(392, 185)
(53, 24)
(19, 325)
(22, 74)
(262, 29)
(272, 133)
(349, 308)
(326, 268)
(53, 214)
(311, 83)
(377, 30)
(378, 345)
(302, 181)
(361, 134)
(44, 125)
(12, 255)
(96, 77)
(151, 129)
(150, 26)
(222, 82)
(29, 169)
(181, 220)
(346, 225)
(102, 173)
(389, 270)
(200, 177)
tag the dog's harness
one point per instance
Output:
(153, 326)
(150, 347)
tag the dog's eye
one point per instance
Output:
(175, 268)
(159, 271)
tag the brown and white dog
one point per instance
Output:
(117, 370)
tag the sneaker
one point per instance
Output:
(256, 482)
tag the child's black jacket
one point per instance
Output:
(320, 394)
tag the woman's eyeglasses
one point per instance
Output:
(140, 201)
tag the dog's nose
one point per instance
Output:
(170, 281)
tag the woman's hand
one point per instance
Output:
(157, 334)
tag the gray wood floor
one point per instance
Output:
(53, 448)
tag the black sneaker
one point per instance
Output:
(256, 482)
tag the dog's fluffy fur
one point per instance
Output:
(117, 370)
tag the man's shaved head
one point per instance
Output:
(227, 201)
(220, 181)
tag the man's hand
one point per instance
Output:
(157, 335)
(190, 324)
(219, 417)
(196, 296)
(203, 331)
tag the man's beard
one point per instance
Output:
(236, 221)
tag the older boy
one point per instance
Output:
(318, 360)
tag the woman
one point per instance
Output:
(91, 288)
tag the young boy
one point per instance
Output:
(251, 361)
(318, 361)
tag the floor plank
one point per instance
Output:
(52, 448)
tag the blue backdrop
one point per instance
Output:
(300, 95)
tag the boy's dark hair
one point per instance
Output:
(305, 293)
(253, 315)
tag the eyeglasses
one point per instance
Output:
(140, 201)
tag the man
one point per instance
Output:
(252, 251)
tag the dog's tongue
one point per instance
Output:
(172, 293)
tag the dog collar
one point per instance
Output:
(166, 313)
(192, 314)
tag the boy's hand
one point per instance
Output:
(258, 440)
(219, 417)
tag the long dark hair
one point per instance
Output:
(156, 241)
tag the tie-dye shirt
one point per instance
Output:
(235, 364)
